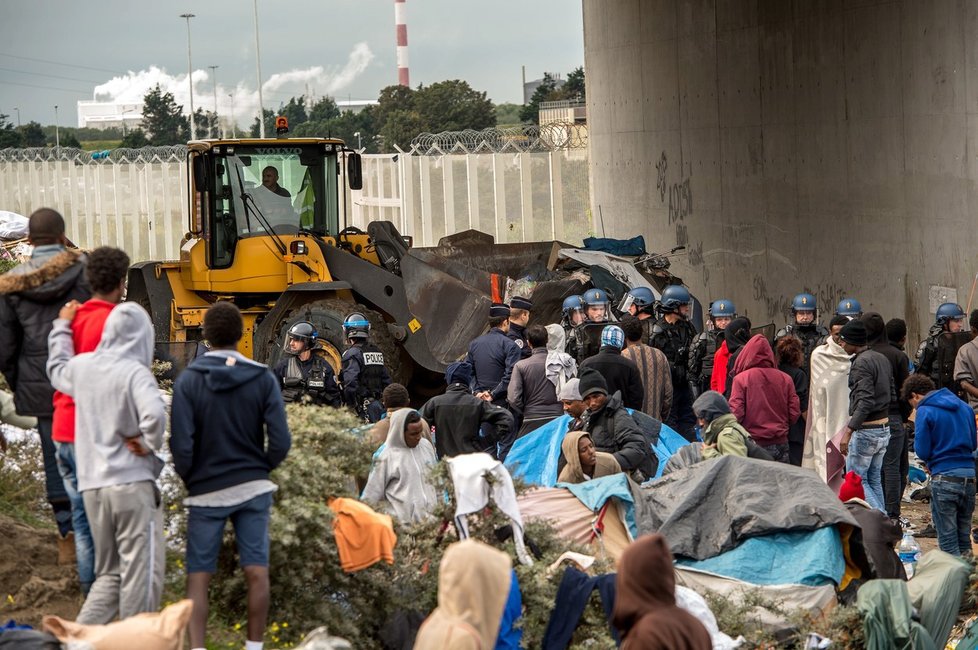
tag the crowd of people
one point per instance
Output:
(833, 399)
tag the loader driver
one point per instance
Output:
(304, 375)
(269, 179)
(364, 375)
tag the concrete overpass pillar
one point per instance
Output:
(826, 146)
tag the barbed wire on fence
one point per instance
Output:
(174, 153)
(525, 138)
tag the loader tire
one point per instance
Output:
(327, 316)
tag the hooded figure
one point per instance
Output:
(722, 434)
(400, 475)
(573, 472)
(473, 586)
(828, 407)
(561, 366)
(762, 397)
(646, 613)
(117, 398)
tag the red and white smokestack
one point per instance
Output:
(400, 18)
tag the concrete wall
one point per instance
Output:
(820, 145)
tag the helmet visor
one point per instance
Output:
(294, 345)
(626, 302)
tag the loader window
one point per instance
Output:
(278, 188)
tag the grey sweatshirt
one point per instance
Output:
(116, 398)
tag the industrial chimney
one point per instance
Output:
(400, 18)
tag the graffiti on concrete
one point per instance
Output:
(680, 201)
(779, 306)
(660, 179)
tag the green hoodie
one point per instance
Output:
(727, 436)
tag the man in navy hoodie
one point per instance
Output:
(945, 441)
(223, 405)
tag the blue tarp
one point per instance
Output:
(633, 246)
(534, 457)
(810, 557)
(596, 492)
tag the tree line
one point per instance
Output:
(400, 115)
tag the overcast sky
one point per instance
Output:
(60, 51)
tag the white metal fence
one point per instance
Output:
(136, 199)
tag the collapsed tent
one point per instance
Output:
(603, 530)
(711, 507)
(534, 458)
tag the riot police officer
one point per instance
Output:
(706, 343)
(639, 302)
(364, 374)
(572, 315)
(850, 308)
(674, 334)
(804, 326)
(519, 316)
(936, 354)
(304, 374)
(587, 334)
(596, 305)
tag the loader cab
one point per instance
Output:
(256, 189)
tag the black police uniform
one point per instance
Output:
(701, 358)
(492, 357)
(811, 336)
(936, 355)
(517, 334)
(364, 377)
(675, 340)
(308, 381)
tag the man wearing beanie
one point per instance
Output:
(620, 374)
(722, 434)
(612, 429)
(896, 462)
(570, 397)
(871, 391)
(457, 415)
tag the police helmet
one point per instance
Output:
(356, 326)
(803, 302)
(572, 304)
(949, 311)
(594, 297)
(674, 297)
(850, 308)
(304, 332)
(723, 308)
(641, 297)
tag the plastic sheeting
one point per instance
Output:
(633, 246)
(534, 457)
(596, 492)
(812, 558)
(713, 506)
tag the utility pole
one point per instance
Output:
(261, 103)
(57, 133)
(190, 79)
(18, 115)
(214, 77)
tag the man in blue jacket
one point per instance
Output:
(945, 441)
(223, 404)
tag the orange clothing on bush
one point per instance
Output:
(363, 537)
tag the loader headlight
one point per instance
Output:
(298, 247)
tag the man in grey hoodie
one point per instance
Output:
(119, 421)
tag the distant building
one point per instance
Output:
(564, 111)
(109, 115)
(530, 87)
(355, 105)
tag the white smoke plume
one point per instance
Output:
(133, 86)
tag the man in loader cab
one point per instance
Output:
(304, 375)
(269, 178)
(364, 374)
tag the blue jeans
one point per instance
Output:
(951, 508)
(84, 545)
(867, 447)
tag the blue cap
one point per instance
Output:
(614, 336)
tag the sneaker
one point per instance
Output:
(66, 550)
(928, 531)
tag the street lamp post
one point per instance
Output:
(214, 77)
(18, 115)
(234, 127)
(190, 78)
(359, 144)
(261, 103)
(57, 132)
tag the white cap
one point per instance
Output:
(571, 390)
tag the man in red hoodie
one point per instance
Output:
(106, 273)
(763, 398)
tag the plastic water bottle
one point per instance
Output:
(909, 552)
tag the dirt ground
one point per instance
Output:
(31, 582)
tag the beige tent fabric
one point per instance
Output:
(163, 631)
(815, 600)
(573, 520)
(828, 403)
